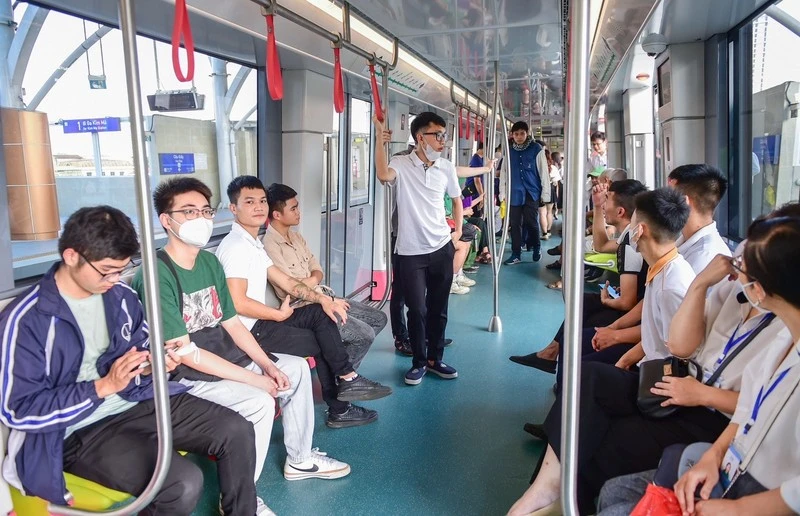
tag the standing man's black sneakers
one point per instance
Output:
(447, 342)
(361, 388)
(353, 416)
(554, 251)
(537, 254)
(535, 361)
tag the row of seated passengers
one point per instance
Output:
(683, 295)
(76, 387)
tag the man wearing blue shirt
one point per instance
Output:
(529, 171)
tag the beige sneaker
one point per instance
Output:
(464, 281)
(455, 288)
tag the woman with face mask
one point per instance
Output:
(714, 319)
(760, 448)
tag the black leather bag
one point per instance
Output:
(653, 371)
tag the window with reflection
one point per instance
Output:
(360, 151)
(330, 160)
(768, 93)
(86, 131)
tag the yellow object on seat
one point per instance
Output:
(87, 495)
(607, 261)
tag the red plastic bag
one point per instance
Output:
(658, 501)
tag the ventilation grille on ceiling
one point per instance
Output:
(564, 45)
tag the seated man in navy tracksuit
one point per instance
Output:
(76, 389)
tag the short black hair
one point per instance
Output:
(241, 182)
(423, 120)
(165, 193)
(99, 232)
(555, 155)
(480, 146)
(703, 184)
(772, 253)
(519, 126)
(665, 211)
(598, 135)
(625, 191)
(277, 195)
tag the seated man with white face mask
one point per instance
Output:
(222, 362)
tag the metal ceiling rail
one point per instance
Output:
(272, 7)
(149, 265)
(576, 143)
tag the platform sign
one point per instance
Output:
(91, 125)
(97, 82)
(176, 163)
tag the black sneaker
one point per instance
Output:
(554, 251)
(535, 430)
(594, 275)
(537, 254)
(447, 342)
(353, 416)
(361, 389)
(403, 346)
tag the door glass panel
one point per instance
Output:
(330, 159)
(360, 166)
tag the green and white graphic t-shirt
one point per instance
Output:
(206, 299)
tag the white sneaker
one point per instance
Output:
(465, 281)
(318, 465)
(262, 509)
(455, 288)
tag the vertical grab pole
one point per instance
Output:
(387, 193)
(328, 208)
(495, 324)
(160, 388)
(577, 113)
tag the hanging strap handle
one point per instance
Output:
(338, 87)
(469, 125)
(274, 75)
(478, 129)
(376, 95)
(182, 29)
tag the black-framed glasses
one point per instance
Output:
(440, 137)
(193, 213)
(111, 277)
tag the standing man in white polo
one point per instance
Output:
(424, 242)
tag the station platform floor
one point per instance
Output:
(445, 446)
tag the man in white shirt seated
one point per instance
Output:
(290, 253)
(306, 331)
(704, 186)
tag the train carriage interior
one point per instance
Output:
(668, 83)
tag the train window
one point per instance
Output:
(331, 159)
(767, 104)
(86, 133)
(360, 151)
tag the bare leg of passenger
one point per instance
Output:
(543, 219)
(550, 352)
(545, 489)
(462, 251)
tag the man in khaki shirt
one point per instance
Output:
(289, 252)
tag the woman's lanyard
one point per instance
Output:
(762, 396)
(734, 341)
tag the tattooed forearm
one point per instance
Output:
(302, 291)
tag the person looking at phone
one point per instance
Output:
(310, 330)
(221, 361)
(75, 394)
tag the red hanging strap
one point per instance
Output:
(274, 75)
(469, 126)
(376, 95)
(338, 87)
(182, 30)
(462, 127)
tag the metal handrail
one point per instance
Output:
(387, 291)
(495, 323)
(152, 304)
(576, 146)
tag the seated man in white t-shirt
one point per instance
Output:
(704, 186)
(656, 223)
(310, 330)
